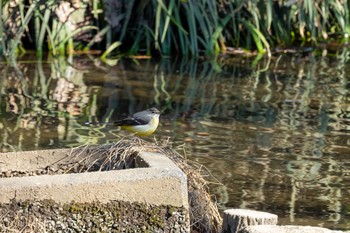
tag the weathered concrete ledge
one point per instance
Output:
(157, 182)
(286, 229)
(64, 190)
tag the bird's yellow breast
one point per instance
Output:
(144, 130)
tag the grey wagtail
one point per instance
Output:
(141, 123)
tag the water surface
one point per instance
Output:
(274, 132)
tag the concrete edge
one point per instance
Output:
(252, 221)
(286, 229)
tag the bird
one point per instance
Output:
(142, 123)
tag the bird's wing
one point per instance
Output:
(143, 117)
(130, 121)
(139, 115)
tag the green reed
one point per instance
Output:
(167, 27)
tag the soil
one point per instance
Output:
(54, 170)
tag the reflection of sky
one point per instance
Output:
(276, 137)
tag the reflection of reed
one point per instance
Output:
(274, 132)
(305, 139)
(304, 170)
(290, 127)
(32, 105)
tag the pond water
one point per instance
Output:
(274, 133)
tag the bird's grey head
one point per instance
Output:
(147, 114)
(153, 111)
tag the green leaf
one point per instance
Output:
(113, 46)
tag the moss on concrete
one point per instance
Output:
(116, 216)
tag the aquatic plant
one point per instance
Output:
(169, 27)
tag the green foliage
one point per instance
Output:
(166, 27)
(53, 24)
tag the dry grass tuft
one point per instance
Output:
(113, 156)
(204, 213)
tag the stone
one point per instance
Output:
(286, 229)
(236, 219)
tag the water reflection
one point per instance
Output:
(273, 131)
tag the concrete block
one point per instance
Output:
(236, 219)
(286, 229)
(156, 180)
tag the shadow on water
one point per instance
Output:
(275, 132)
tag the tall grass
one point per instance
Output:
(167, 27)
